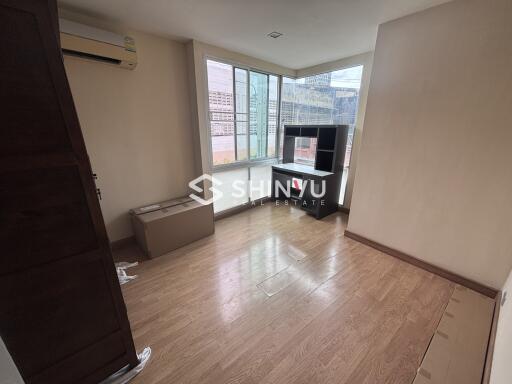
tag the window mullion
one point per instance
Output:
(278, 117)
(268, 113)
(248, 109)
(235, 128)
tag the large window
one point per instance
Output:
(328, 98)
(243, 116)
(243, 112)
(245, 107)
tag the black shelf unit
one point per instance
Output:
(330, 139)
(328, 167)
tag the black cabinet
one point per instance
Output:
(321, 182)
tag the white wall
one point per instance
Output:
(137, 127)
(501, 369)
(434, 178)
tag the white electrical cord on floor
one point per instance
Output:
(125, 374)
(121, 272)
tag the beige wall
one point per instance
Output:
(501, 370)
(434, 177)
(137, 127)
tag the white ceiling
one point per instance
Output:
(314, 31)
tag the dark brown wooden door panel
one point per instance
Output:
(73, 369)
(32, 120)
(46, 216)
(63, 317)
(66, 313)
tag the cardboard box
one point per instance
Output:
(457, 351)
(163, 227)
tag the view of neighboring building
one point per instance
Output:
(221, 111)
(230, 112)
(328, 98)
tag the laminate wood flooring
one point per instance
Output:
(275, 296)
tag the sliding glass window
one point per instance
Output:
(221, 112)
(263, 118)
(242, 102)
(243, 118)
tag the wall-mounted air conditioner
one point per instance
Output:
(91, 43)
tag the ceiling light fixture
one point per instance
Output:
(275, 34)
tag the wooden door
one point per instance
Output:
(62, 314)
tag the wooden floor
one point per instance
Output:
(276, 296)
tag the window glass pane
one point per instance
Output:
(233, 189)
(344, 179)
(221, 112)
(273, 91)
(349, 82)
(241, 140)
(305, 150)
(241, 113)
(243, 109)
(288, 105)
(261, 181)
(258, 114)
(223, 144)
(328, 98)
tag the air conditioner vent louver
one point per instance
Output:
(91, 56)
